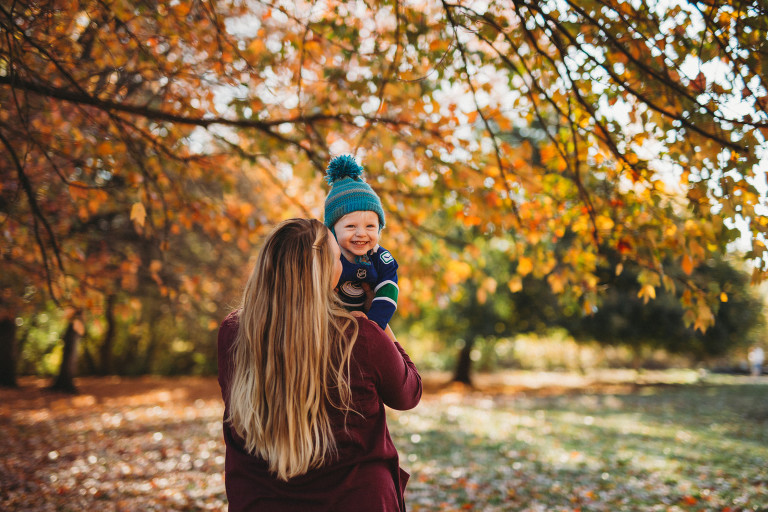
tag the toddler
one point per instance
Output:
(354, 214)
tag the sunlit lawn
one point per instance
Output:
(154, 444)
(684, 447)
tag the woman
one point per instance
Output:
(304, 386)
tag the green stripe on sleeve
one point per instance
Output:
(389, 290)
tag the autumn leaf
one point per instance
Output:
(647, 292)
(699, 84)
(138, 214)
(492, 137)
(78, 326)
(687, 264)
(524, 266)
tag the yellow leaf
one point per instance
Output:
(556, 282)
(704, 318)
(604, 223)
(515, 284)
(723, 297)
(138, 214)
(647, 292)
(457, 271)
(524, 266)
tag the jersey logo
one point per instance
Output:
(361, 273)
(386, 257)
(352, 289)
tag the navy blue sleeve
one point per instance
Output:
(386, 289)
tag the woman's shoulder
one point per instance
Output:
(229, 325)
(232, 319)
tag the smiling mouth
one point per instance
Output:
(359, 245)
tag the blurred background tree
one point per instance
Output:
(147, 146)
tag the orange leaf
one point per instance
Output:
(78, 326)
(687, 264)
(103, 149)
(78, 190)
(138, 214)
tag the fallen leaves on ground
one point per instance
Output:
(155, 444)
(121, 445)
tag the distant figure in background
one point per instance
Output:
(756, 358)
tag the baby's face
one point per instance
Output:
(357, 233)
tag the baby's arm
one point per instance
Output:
(386, 290)
(369, 299)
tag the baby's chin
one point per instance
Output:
(359, 251)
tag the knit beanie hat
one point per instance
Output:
(349, 193)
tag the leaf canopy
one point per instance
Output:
(152, 141)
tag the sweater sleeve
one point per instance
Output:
(386, 290)
(225, 338)
(397, 380)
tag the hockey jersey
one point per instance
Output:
(380, 272)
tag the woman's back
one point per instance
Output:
(364, 473)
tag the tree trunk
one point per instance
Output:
(105, 351)
(462, 373)
(66, 379)
(8, 352)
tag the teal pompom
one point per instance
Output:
(341, 167)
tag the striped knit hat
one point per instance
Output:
(349, 193)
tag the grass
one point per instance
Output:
(540, 443)
(668, 447)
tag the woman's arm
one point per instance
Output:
(397, 379)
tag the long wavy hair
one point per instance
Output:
(291, 351)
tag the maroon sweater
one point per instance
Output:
(365, 476)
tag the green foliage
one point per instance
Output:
(483, 305)
(489, 317)
(624, 317)
(39, 343)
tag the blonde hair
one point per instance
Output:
(290, 351)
